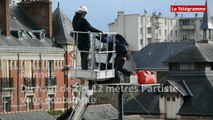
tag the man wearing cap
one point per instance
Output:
(81, 24)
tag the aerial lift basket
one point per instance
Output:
(99, 67)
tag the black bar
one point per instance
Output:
(120, 104)
(90, 84)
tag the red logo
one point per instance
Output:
(188, 8)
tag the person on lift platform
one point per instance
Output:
(121, 48)
(81, 24)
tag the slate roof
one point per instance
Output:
(154, 54)
(181, 87)
(196, 89)
(206, 22)
(144, 103)
(105, 112)
(100, 112)
(62, 26)
(27, 116)
(20, 21)
(201, 88)
(65, 115)
(197, 53)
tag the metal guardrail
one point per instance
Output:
(30, 82)
(50, 81)
(101, 47)
(6, 82)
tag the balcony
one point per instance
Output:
(30, 82)
(188, 27)
(6, 83)
(29, 85)
(50, 81)
(50, 85)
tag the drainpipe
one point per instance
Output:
(18, 82)
(40, 80)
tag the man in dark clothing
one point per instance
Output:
(121, 57)
(121, 49)
(120, 42)
(82, 39)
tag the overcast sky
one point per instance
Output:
(102, 12)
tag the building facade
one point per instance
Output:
(33, 63)
(141, 29)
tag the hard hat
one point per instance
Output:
(82, 9)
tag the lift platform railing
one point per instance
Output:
(102, 48)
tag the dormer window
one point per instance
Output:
(40, 34)
(19, 33)
(187, 66)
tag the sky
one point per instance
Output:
(103, 12)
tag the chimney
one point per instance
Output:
(5, 17)
(40, 12)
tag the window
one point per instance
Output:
(159, 32)
(168, 98)
(6, 104)
(141, 30)
(176, 33)
(51, 102)
(171, 33)
(29, 103)
(184, 37)
(185, 22)
(171, 22)
(165, 32)
(165, 22)
(173, 98)
(50, 68)
(187, 66)
(141, 41)
(149, 31)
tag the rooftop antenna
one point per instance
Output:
(58, 4)
(176, 12)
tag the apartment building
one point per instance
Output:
(141, 29)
